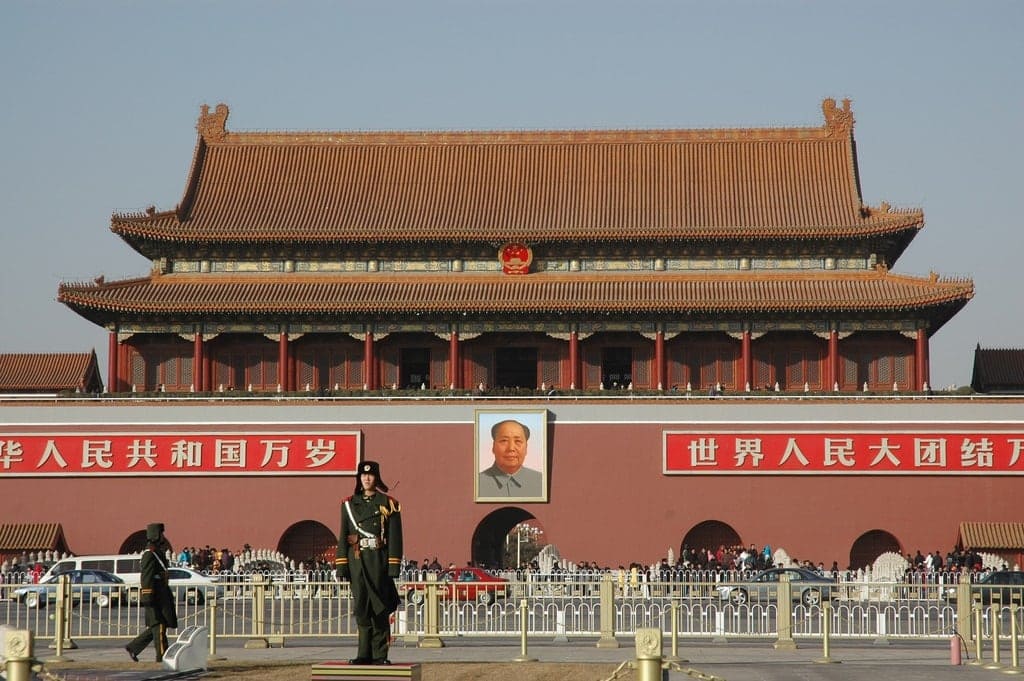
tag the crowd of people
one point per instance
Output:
(690, 562)
(206, 559)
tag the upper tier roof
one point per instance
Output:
(541, 186)
(294, 297)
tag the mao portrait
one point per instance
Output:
(511, 455)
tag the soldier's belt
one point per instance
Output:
(369, 543)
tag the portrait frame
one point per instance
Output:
(486, 489)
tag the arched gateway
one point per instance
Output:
(709, 535)
(492, 532)
(307, 541)
(870, 546)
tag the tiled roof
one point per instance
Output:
(295, 295)
(49, 371)
(541, 186)
(31, 537)
(992, 535)
(998, 370)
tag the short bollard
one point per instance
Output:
(674, 656)
(61, 617)
(18, 650)
(826, 633)
(259, 592)
(1014, 667)
(978, 633)
(648, 655)
(523, 654)
(213, 633)
(431, 613)
(995, 615)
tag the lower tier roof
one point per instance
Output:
(292, 296)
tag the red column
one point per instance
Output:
(369, 377)
(659, 360)
(198, 362)
(124, 372)
(207, 370)
(574, 360)
(284, 370)
(293, 371)
(112, 356)
(833, 359)
(921, 357)
(748, 361)
(453, 361)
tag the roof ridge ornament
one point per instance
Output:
(212, 127)
(837, 121)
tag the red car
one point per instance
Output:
(462, 584)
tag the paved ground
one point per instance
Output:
(733, 661)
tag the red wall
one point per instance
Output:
(609, 501)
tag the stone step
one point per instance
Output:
(331, 671)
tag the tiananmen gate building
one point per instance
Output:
(574, 260)
(318, 298)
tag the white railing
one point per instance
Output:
(262, 608)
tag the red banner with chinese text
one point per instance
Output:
(962, 452)
(159, 451)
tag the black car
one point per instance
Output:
(999, 586)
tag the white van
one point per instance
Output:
(189, 585)
(126, 566)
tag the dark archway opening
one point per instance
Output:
(309, 542)
(616, 367)
(414, 368)
(135, 543)
(870, 546)
(489, 538)
(709, 535)
(515, 368)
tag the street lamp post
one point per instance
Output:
(524, 533)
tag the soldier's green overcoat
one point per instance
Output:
(371, 571)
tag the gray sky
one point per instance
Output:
(100, 101)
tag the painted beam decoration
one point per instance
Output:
(846, 449)
(151, 450)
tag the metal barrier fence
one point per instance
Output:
(265, 609)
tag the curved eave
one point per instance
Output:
(139, 232)
(210, 296)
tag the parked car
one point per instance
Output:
(463, 584)
(808, 587)
(994, 586)
(98, 586)
(193, 587)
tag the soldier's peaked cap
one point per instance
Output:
(371, 468)
(153, 531)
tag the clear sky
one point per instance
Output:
(100, 101)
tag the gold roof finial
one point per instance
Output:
(213, 126)
(837, 121)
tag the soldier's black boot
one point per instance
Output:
(360, 660)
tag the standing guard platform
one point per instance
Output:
(330, 671)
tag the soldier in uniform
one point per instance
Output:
(369, 555)
(155, 597)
